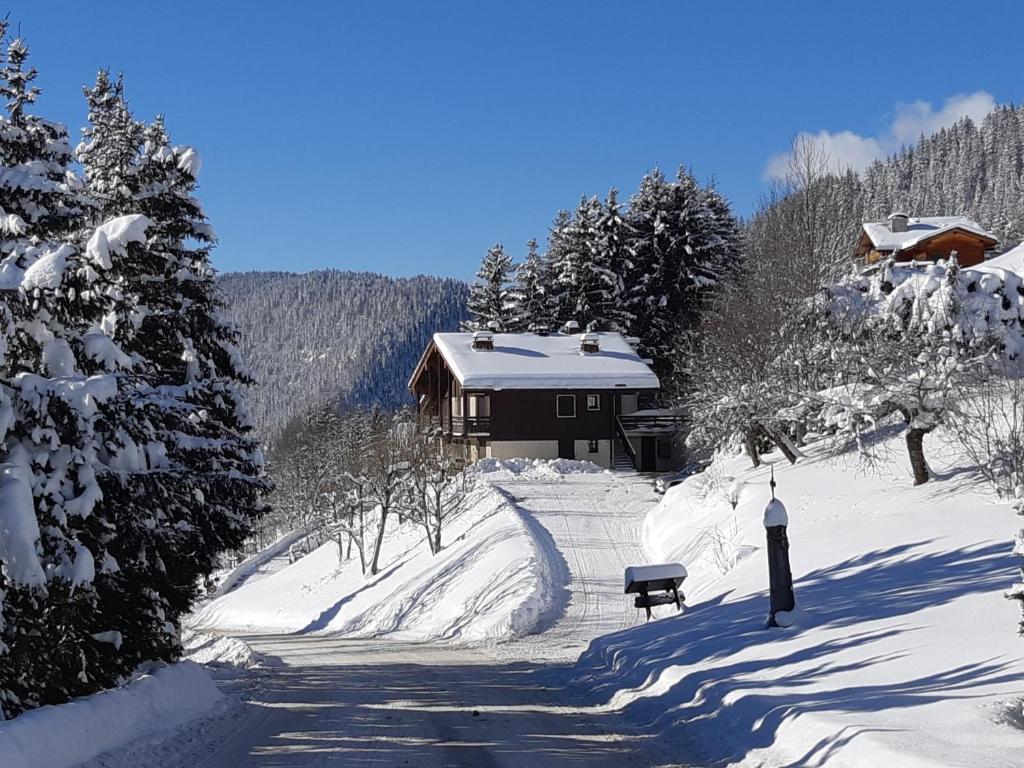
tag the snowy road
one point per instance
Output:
(329, 701)
(594, 522)
(368, 703)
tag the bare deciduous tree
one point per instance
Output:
(436, 491)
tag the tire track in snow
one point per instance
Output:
(594, 521)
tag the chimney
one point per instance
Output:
(589, 342)
(571, 327)
(633, 341)
(483, 340)
(493, 326)
(898, 222)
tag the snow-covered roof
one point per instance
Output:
(919, 230)
(530, 361)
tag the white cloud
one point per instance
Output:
(847, 149)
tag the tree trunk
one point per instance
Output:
(379, 541)
(750, 442)
(915, 447)
(783, 443)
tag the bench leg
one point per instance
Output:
(675, 594)
(647, 607)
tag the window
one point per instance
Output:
(565, 406)
(592, 446)
(593, 402)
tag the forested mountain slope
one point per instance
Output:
(332, 336)
(975, 170)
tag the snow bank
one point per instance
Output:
(68, 734)
(492, 581)
(539, 467)
(251, 565)
(904, 651)
(221, 651)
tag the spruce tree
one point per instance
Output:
(530, 295)
(490, 302)
(686, 241)
(110, 148)
(190, 473)
(585, 257)
(52, 646)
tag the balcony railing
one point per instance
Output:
(471, 425)
(651, 423)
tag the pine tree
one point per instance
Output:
(193, 357)
(611, 263)
(490, 303)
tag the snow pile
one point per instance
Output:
(1012, 260)
(69, 734)
(904, 651)
(492, 581)
(219, 651)
(539, 467)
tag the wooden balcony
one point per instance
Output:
(650, 422)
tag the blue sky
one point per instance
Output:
(406, 137)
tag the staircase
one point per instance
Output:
(621, 461)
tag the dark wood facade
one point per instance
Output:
(483, 417)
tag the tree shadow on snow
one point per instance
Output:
(878, 586)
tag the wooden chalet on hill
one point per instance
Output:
(559, 395)
(925, 239)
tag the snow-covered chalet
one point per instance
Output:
(924, 239)
(545, 396)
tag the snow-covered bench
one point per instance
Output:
(665, 578)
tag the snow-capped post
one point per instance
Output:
(780, 577)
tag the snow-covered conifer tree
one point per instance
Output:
(190, 471)
(109, 151)
(530, 295)
(685, 240)
(52, 645)
(489, 300)
(588, 252)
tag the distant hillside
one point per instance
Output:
(968, 169)
(333, 336)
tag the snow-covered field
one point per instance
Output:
(905, 652)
